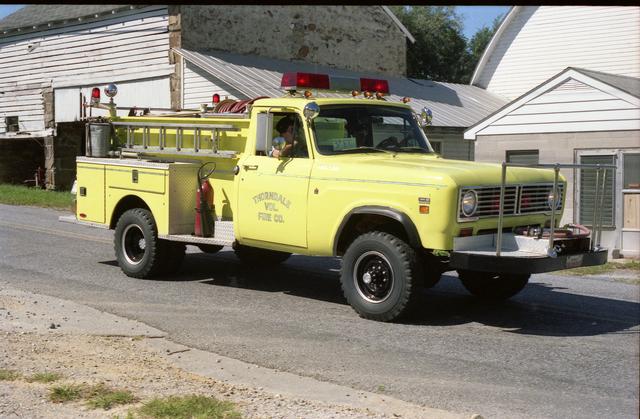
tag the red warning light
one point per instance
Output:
(374, 85)
(308, 80)
(216, 98)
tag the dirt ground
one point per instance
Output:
(42, 334)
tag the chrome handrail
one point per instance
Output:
(596, 233)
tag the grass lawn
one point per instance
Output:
(609, 267)
(23, 195)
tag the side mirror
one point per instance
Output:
(426, 116)
(311, 111)
(278, 143)
(264, 131)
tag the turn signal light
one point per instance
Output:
(424, 209)
(465, 232)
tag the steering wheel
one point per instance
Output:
(389, 142)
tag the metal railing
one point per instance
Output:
(162, 128)
(596, 231)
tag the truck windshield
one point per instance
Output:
(343, 129)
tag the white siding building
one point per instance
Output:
(534, 43)
(572, 73)
(44, 71)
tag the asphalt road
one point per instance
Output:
(564, 347)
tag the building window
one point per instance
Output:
(437, 146)
(12, 123)
(588, 187)
(529, 157)
(631, 171)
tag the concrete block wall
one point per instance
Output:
(358, 38)
(20, 158)
(559, 148)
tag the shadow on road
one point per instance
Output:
(541, 309)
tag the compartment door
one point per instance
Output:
(90, 193)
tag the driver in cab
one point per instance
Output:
(286, 145)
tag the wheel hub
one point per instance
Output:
(133, 244)
(373, 277)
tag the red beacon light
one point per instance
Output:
(374, 85)
(95, 96)
(216, 98)
(295, 81)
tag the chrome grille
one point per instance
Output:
(518, 200)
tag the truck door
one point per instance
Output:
(273, 193)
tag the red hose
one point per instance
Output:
(232, 106)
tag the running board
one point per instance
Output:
(73, 220)
(224, 236)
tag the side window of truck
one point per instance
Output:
(297, 131)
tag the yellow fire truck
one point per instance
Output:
(360, 181)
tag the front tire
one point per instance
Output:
(493, 287)
(379, 276)
(138, 250)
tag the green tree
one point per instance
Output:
(441, 51)
(480, 40)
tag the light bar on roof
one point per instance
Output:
(374, 85)
(297, 81)
(294, 81)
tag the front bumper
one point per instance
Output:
(522, 255)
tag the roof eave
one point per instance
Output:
(492, 44)
(94, 17)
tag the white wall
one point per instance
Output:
(541, 41)
(199, 87)
(572, 106)
(151, 93)
(135, 43)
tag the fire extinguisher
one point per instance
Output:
(204, 222)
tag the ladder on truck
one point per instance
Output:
(199, 148)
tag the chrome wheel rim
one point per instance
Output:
(134, 244)
(373, 277)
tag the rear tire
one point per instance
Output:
(259, 257)
(380, 274)
(138, 250)
(493, 287)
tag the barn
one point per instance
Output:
(178, 56)
(571, 74)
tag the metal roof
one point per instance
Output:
(41, 14)
(627, 84)
(453, 105)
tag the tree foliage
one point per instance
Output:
(441, 51)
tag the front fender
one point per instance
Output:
(388, 212)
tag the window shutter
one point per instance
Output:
(588, 191)
(529, 157)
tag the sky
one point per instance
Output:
(475, 17)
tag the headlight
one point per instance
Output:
(550, 199)
(469, 203)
